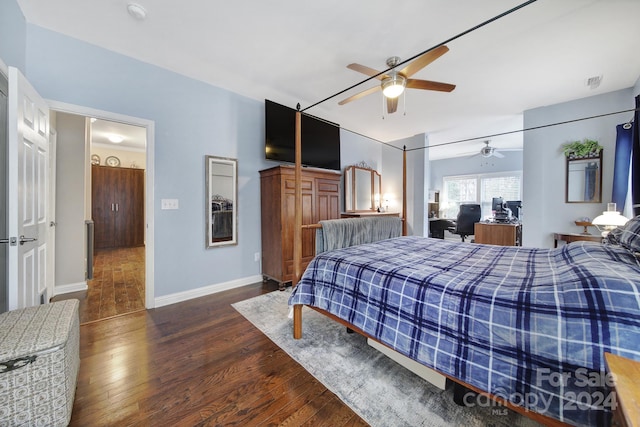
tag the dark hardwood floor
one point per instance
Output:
(117, 286)
(196, 363)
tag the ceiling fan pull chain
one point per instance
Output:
(404, 103)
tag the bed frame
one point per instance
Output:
(460, 386)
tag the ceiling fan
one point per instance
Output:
(393, 84)
(489, 151)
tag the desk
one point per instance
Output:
(496, 233)
(625, 374)
(437, 227)
(575, 237)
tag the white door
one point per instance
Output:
(28, 164)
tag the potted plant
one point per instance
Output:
(582, 149)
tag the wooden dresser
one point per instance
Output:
(495, 233)
(320, 201)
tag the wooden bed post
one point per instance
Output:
(297, 226)
(404, 190)
(297, 321)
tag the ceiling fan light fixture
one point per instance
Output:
(393, 86)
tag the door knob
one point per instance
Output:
(24, 240)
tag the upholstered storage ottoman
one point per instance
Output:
(39, 361)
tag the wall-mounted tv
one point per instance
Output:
(320, 139)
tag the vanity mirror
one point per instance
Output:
(584, 179)
(361, 188)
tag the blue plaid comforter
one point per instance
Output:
(528, 325)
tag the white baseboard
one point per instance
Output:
(206, 290)
(67, 289)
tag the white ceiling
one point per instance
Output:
(134, 138)
(294, 51)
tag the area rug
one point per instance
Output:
(378, 389)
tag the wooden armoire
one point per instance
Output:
(117, 206)
(320, 201)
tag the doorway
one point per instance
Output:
(122, 279)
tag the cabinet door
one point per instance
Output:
(308, 235)
(102, 207)
(327, 200)
(129, 202)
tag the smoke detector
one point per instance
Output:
(138, 12)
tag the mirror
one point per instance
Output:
(361, 189)
(222, 183)
(584, 179)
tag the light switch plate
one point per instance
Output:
(169, 204)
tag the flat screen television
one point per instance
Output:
(320, 138)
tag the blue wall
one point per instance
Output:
(13, 35)
(545, 164)
(192, 119)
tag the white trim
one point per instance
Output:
(67, 289)
(206, 290)
(4, 69)
(149, 182)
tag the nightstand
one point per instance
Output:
(625, 377)
(575, 237)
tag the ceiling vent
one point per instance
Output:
(594, 82)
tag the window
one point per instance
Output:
(458, 190)
(480, 189)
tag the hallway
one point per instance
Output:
(118, 285)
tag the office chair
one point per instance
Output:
(467, 218)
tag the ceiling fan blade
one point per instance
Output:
(423, 60)
(429, 85)
(392, 105)
(366, 70)
(361, 94)
(497, 154)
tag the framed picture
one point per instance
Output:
(221, 201)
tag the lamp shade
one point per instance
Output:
(611, 219)
(393, 86)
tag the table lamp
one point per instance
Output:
(609, 220)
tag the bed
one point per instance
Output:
(530, 326)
